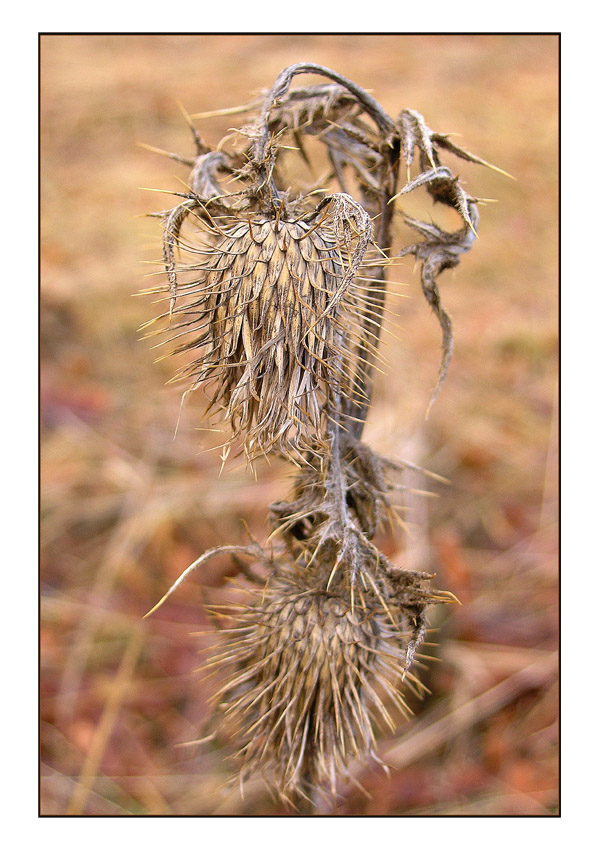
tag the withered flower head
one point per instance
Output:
(314, 674)
(270, 309)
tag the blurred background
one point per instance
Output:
(126, 505)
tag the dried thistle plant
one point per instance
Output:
(275, 291)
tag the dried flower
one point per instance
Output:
(313, 673)
(271, 309)
(277, 301)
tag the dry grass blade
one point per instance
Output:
(105, 725)
(428, 735)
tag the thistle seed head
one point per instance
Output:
(270, 312)
(314, 673)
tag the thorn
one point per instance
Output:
(201, 147)
(162, 152)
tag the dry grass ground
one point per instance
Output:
(125, 506)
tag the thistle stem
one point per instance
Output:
(358, 407)
(279, 89)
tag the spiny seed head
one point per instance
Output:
(270, 311)
(312, 669)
